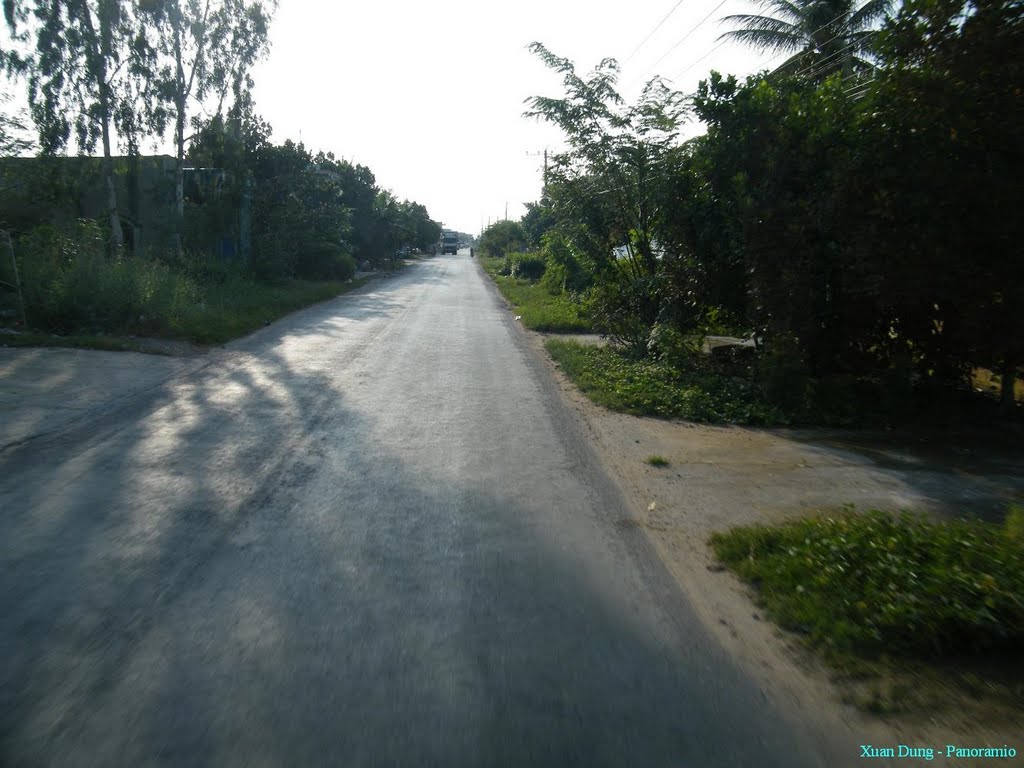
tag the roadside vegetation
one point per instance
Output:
(903, 609)
(811, 217)
(642, 387)
(866, 585)
(231, 232)
(540, 308)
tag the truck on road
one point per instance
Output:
(449, 242)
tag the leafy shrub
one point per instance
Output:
(502, 238)
(873, 584)
(565, 271)
(617, 308)
(555, 278)
(325, 261)
(529, 266)
(70, 283)
(622, 382)
(666, 343)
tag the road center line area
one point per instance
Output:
(369, 534)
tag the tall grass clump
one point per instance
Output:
(72, 283)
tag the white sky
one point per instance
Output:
(430, 94)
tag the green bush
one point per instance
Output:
(325, 261)
(565, 271)
(874, 584)
(71, 283)
(615, 308)
(529, 266)
(555, 278)
(72, 286)
(653, 388)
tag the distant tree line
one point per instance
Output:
(856, 210)
(103, 73)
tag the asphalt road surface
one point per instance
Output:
(370, 534)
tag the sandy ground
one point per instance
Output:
(720, 477)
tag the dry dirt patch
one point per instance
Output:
(721, 477)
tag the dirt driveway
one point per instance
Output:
(720, 477)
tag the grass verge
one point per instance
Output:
(232, 309)
(106, 343)
(872, 585)
(223, 311)
(650, 388)
(914, 617)
(540, 310)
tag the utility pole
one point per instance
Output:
(545, 154)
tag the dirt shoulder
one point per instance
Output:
(720, 477)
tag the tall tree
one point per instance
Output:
(823, 36)
(78, 59)
(608, 181)
(207, 49)
(14, 131)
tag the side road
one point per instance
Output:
(45, 390)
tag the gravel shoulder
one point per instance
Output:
(721, 477)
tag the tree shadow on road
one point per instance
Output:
(252, 564)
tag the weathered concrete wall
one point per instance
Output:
(56, 190)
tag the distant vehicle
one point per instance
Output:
(449, 243)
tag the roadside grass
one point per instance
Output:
(215, 313)
(864, 586)
(912, 616)
(657, 461)
(32, 339)
(234, 309)
(540, 310)
(611, 378)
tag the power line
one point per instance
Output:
(725, 39)
(816, 68)
(682, 40)
(698, 61)
(651, 33)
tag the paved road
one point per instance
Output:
(368, 535)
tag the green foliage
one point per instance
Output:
(817, 210)
(657, 461)
(652, 388)
(72, 286)
(502, 238)
(825, 38)
(538, 220)
(623, 307)
(538, 308)
(873, 584)
(528, 266)
(566, 270)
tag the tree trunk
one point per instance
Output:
(116, 233)
(101, 50)
(180, 98)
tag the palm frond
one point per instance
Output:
(761, 23)
(793, 65)
(766, 40)
(783, 9)
(870, 12)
